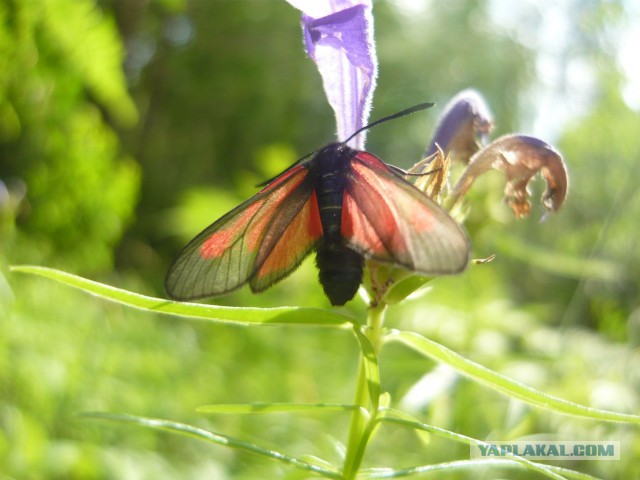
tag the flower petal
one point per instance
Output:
(341, 43)
(462, 127)
(322, 8)
(520, 157)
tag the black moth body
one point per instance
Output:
(347, 205)
(340, 267)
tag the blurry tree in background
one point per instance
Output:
(61, 89)
(209, 77)
(129, 125)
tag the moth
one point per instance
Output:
(347, 205)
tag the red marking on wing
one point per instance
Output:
(228, 253)
(300, 236)
(382, 180)
(372, 189)
(219, 241)
(356, 225)
(388, 219)
(248, 219)
(314, 224)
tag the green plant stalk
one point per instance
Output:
(363, 419)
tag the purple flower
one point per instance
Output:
(461, 134)
(462, 127)
(338, 36)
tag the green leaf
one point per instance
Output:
(215, 438)
(504, 384)
(406, 420)
(394, 283)
(245, 408)
(211, 313)
(367, 401)
(370, 363)
(404, 287)
(457, 465)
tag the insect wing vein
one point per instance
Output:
(412, 230)
(295, 230)
(223, 256)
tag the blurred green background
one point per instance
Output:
(127, 126)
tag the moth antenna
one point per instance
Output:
(406, 173)
(408, 111)
(405, 112)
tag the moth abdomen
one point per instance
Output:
(340, 271)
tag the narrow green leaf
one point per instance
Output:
(406, 420)
(247, 408)
(367, 402)
(211, 313)
(320, 462)
(405, 287)
(504, 384)
(557, 472)
(215, 438)
(390, 415)
(372, 372)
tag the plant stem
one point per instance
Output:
(375, 321)
(363, 418)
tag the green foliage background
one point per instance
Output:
(126, 127)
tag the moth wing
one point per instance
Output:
(248, 243)
(386, 218)
(289, 240)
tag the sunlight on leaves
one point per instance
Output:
(213, 313)
(405, 287)
(63, 23)
(400, 418)
(474, 465)
(504, 384)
